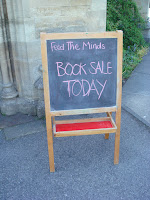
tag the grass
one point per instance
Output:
(131, 58)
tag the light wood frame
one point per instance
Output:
(50, 115)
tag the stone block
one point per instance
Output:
(41, 109)
(34, 70)
(23, 78)
(8, 106)
(29, 27)
(13, 106)
(143, 7)
(24, 129)
(26, 106)
(96, 25)
(26, 74)
(34, 50)
(98, 5)
(19, 50)
(22, 30)
(80, 3)
(27, 50)
(38, 12)
(75, 11)
(18, 9)
(75, 28)
(13, 120)
(58, 3)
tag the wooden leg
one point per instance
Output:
(50, 144)
(107, 134)
(117, 145)
(117, 137)
(51, 153)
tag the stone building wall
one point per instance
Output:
(21, 23)
(143, 6)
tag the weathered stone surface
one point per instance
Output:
(146, 32)
(143, 7)
(24, 129)
(13, 106)
(9, 106)
(27, 106)
(41, 109)
(13, 120)
(58, 3)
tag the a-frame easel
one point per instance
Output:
(53, 127)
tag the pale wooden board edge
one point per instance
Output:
(84, 111)
(71, 121)
(78, 35)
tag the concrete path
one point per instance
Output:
(84, 165)
(136, 92)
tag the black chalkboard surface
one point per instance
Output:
(82, 73)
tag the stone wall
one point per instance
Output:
(144, 10)
(143, 7)
(23, 21)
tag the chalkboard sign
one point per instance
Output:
(82, 73)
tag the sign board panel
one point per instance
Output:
(82, 73)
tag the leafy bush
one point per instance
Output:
(124, 15)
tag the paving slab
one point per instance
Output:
(144, 66)
(19, 118)
(136, 92)
(24, 129)
(138, 105)
(138, 84)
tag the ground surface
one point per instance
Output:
(84, 165)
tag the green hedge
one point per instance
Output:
(124, 15)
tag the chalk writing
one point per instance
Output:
(69, 69)
(71, 46)
(80, 85)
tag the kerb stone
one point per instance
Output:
(24, 129)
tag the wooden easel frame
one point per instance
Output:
(50, 115)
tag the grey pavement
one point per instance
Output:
(136, 92)
(84, 164)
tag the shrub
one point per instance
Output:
(124, 15)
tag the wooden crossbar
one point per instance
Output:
(79, 122)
